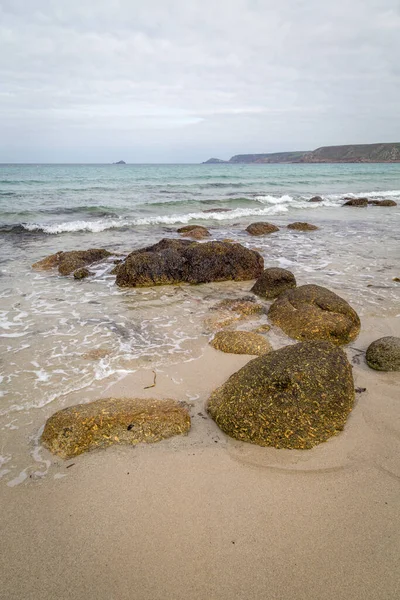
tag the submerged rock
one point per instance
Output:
(196, 232)
(312, 312)
(240, 342)
(273, 282)
(316, 199)
(68, 262)
(356, 202)
(245, 306)
(261, 228)
(99, 424)
(384, 354)
(175, 261)
(82, 273)
(299, 226)
(383, 202)
(262, 328)
(295, 397)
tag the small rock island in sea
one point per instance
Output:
(120, 162)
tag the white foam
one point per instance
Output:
(73, 226)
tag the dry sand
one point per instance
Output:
(209, 518)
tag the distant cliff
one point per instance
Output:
(353, 153)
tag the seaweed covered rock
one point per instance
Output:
(240, 342)
(312, 312)
(99, 424)
(261, 228)
(196, 232)
(316, 199)
(383, 202)
(82, 273)
(295, 397)
(176, 261)
(356, 202)
(299, 226)
(68, 262)
(273, 282)
(384, 354)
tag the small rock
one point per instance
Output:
(261, 228)
(240, 342)
(316, 199)
(68, 262)
(262, 328)
(384, 354)
(82, 273)
(356, 202)
(244, 306)
(273, 282)
(299, 226)
(196, 232)
(383, 202)
(99, 424)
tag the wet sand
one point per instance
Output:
(206, 517)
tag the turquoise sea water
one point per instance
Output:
(48, 323)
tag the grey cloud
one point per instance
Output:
(178, 80)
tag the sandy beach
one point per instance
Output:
(206, 517)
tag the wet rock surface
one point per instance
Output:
(312, 312)
(356, 202)
(261, 228)
(175, 261)
(384, 354)
(82, 273)
(68, 262)
(316, 199)
(382, 202)
(245, 306)
(240, 342)
(99, 424)
(273, 282)
(196, 232)
(295, 397)
(300, 226)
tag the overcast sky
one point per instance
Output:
(183, 80)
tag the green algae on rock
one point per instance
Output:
(245, 306)
(295, 397)
(99, 424)
(312, 312)
(82, 273)
(240, 342)
(68, 262)
(176, 261)
(384, 354)
(197, 232)
(273, 282)
(261, 228)
(301, 226)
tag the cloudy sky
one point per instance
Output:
(183, 80)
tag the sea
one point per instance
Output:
(64, 341)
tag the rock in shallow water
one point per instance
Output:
(99, 424)
(312, 312)
(273, 282)
(176, 261)
(295, 397)
(384, 354)
(240, 342)
(300, 226)
(68, 262)
(196, 232)
(261, 228)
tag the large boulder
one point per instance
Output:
(384, 354)
(261, 228)
(312, 312)
(68, 262)
(175, 261)
(273, 282)
(295, 397)
(240, 342)
(99, 424)
(301, 226)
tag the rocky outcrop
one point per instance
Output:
(356, 202)
(176, 261)
(299, 226)
(295, 397)
(261, 228)
(99, 424)
(384, 354)
(273, 282)
(197, 232)
(312, 312)
(240, 342)
(382, 202)
(68, 262)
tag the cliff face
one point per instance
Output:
(353, 153)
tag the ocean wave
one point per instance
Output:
(76, 226)
(213, 216)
